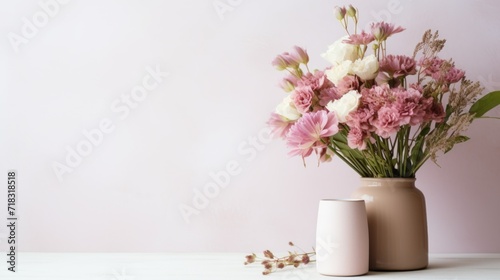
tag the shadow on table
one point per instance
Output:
(450, 264)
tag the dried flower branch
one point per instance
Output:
(272, 263)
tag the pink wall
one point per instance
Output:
(84, 69)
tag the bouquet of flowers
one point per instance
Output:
(383, 114)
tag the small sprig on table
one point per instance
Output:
(272, 263)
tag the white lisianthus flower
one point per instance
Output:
(337, 72)
(287, 109)
(366, 68)
(342, 107)
(340, 51)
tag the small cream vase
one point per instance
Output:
(342, 237)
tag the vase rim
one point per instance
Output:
(388, 182)
(387, 179)
(343, 200)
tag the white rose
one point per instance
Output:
(287, 109)
(340, 51)
(345, 105)
(337, 72)
(366, 68)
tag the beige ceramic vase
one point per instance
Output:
(397, 223)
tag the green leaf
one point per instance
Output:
(456, 140)
(417, 151)
(461, 138)
(485, 103)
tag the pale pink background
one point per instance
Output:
(125, 195)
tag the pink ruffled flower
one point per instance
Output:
(411, 105)
(383, 30)
(433, 68)
(328, 94)
(306, 134)
(324, 90)
(279, 125)
(388, 121)
(315, 81)
(362, 118)
(360, 39)
(376, 96)
(356, 138)
(347, 84)
(454, 75)
(302, 98)
(398, 65)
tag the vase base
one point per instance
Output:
(398, 269)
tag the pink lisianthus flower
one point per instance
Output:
(306, 134)
(383, 30)
(285, 60)
(339, 12)
(398, 65)
(287, 84)
(291, 60)
(279, 125)
(300, 55)
(360, 39)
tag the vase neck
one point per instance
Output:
(388, 182)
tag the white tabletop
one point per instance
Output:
(107, 266)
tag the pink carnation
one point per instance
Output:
(411, 105)
(356, 138)
(306, 134)
(398, 65)
(388, 121)
(302, 98)
(433, 67)
(315, 81)
(454, 75)
(324, 90)
(376, 96)
(347, 84)
(362, 118)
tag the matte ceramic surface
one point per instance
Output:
(397, 223)
(342, 238)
